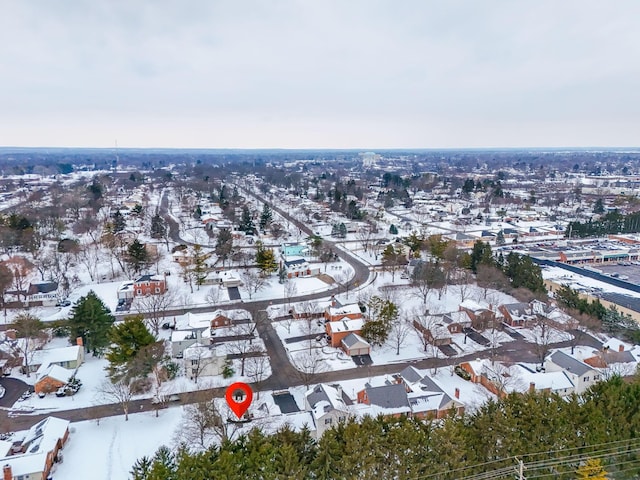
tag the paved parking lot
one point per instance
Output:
(631, 271)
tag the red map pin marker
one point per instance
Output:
(239, 396)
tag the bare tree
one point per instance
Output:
(21, 269)
(253, 281)
(198, 426)
(290, 290)
(243, 347)
(398, 334)
(258, 370)
(308, 364)
(424, 324)
(89, 256)
(426, 277)
(543, 337)
(491, 278)
(153, 307)
(213, 295)
(365, 236)
(30, 336)
(118, 392)
(464, 285)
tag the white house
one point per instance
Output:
(327, 407)
(581, 375)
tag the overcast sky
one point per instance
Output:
(319, 73)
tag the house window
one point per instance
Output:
(585, 379)
(342, 419)
(327, 421)
(596, 378)
(157, 290)
(194, 361)
(139, 292)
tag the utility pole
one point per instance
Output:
(520, 469)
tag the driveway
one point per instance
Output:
(476, 337)
(13, 389)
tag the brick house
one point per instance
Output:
(339, 330)
(52, 378)
(337, 312)
(149, 285)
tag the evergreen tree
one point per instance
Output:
(266, 217)
(500, 239)
(198, 264)
(598, 206)
(158, 228)
(91, 320)
(137, 256)
(246, 221)
(524, 273)
(118, 222)
(393, 230)
(481, 254)
(127, 338)
(266, 259)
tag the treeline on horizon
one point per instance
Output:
(609, 224)
(554, 436)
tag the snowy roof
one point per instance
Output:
(354, 339)
(56, 355)
(323, 398)
(54, 371)
(350, 309)
(180, 335)
(39, 440)
(554, 381)
(346, 325)
(198, 350)
(568, 363)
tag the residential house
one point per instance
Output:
(353, 344)
(224, 278)
(427, 398)
(43, 294)
(391, 399)
(337, 312)
(482, 316)
(183, 339)
(203, 360)
(50, 378)
(299, 267)
(517, 314)
(327, 406)
(434, 330)
(33, 453)
(581, 374)
(66, 357)
(220, 320)
(150, 285)
(340, 329)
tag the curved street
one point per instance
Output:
(284, 375)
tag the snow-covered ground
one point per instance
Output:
(106, 450)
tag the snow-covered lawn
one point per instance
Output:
(107, 450)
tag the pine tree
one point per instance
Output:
(118, 223)
(127, 338)
(91, 320)
(137, 256)
(198, 265)
(246, 222)
(266, 217)
(393, 230)
(158, 228)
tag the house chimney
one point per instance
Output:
(457, 393)
(7, 473)
(621, 348)
(79, 341)
(532, 387)
(333, 301)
